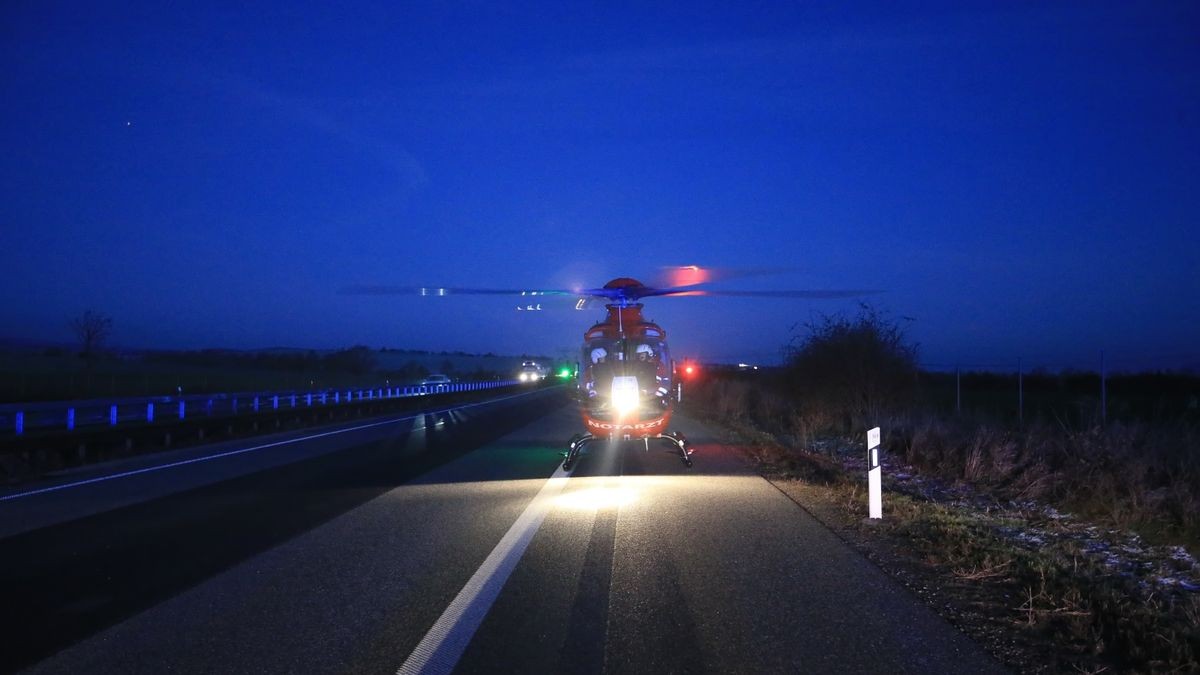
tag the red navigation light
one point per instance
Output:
(690, 369)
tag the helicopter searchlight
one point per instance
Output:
(625, 394)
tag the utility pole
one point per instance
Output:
(957, 390)
(1103, 391)
(1020, 394)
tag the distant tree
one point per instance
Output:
(92, 329)
(358, 360)
(856, 369)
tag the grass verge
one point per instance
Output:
(1039, 602)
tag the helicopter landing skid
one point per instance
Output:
(685, 448)
(574, 448)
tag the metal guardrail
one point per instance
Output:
(18, 418)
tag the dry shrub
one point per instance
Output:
(930, 447)
(1070, 599)
(1132, 475)
(854, 370)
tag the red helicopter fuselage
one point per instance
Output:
(626, 380)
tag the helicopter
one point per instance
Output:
(627, 375)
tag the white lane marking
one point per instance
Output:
(231, 453)
(441, 648)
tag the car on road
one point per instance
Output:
(436, 382)
(532, 371)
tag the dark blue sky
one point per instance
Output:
(1023, 178)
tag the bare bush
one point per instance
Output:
(853, 370)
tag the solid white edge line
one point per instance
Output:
(441, 648)
(231, 453)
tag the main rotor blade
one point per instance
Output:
(692, 275)
(375, 289)
(813, 294)
(623, 294)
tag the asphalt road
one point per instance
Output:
(452, 541)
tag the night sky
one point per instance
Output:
(1023, 179)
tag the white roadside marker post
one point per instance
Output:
(874, 475)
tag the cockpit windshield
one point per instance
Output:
(631, 350)
(645, 358)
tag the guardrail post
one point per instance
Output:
(337, 397)
(275, 402)
(20, 423)
(150, 411)
(181, 409)
(112, 416)
(323, 395)
(293, 400)
(70, 419)
(308, 399)
(208, 408)
(255, 404)
(234, 405)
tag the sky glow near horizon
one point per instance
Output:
(1021, 178)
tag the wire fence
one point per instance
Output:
(1079, 391)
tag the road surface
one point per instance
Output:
(446, 542)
